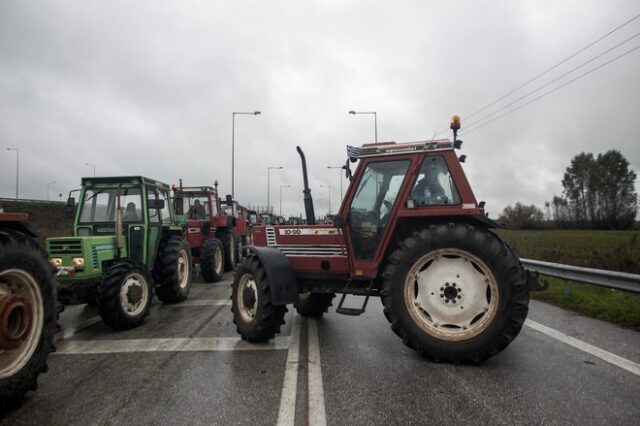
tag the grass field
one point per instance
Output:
(609, 250)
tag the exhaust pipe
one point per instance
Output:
(308, 201)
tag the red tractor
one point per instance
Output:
(27, 309)
(209, 230)
(410, 231)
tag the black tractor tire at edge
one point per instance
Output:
(489, 251)
(20, 252)
(210, 249)
(266, 318)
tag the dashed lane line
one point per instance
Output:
(287, 411)
(201, 302)
(609, 357)
(196, 344)
(317, 414)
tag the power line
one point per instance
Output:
(553, 90)
(553, 67)
(547, 71)
(553, 81)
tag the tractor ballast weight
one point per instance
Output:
(410, 231)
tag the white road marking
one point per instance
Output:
(200, 302)
(287, 411)
(218, 284)
(317, 415)
(68, 332)
(614, 359)
(211, 344)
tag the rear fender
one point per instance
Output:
(280, 277)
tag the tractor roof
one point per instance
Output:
(391, 148)
(122, 180)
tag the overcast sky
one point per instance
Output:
(149, 87)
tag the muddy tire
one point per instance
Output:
(212, 260)
(313, 305)
(173, 271)
(28, 295)
(455, 293)
(229, 246)
(256, 319)
(124, 295)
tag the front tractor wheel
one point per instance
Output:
(256, 318)
(124, 295)
(27, 316)
(212, 260)
(455, 293)
(313, 305)
(173, 270)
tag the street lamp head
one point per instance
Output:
(256, 113)
(352, 112)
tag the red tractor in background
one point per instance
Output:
(27, 309)
(216, 233)
(410, 231)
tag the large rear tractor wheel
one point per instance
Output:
(229, 246)
(173, 271)
(256, 319)
(212, 260)
(313, 305)
(27, 316)
(455, 293)
(125, 295)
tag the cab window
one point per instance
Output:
(434, 185)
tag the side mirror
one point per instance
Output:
(229, 200)
(155, 204)
(69, 208)
(337, 222)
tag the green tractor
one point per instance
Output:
(126, 244)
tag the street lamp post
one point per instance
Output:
(329, 191)
(17, 150)
(233, 158)
(340, 169)
(48, 188)
(375, 120)
(94, 168)
(282, 186)
(269, 185)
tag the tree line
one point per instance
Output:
(599, 193)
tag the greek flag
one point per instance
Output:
(353, 151)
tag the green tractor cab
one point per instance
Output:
(126, 244)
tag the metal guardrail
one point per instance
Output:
(611, 279)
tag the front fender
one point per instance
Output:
(280, 277)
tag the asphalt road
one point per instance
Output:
(187, 365)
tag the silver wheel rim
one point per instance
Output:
(183, 269)
(217, 260)
(21, 283)
(129, 301)
(247, 310)
(451, 294)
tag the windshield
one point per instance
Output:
(99, 205)
(375, 197)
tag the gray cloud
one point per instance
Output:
(149, 88)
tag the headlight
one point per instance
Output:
(78, 261)
(56, 261)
